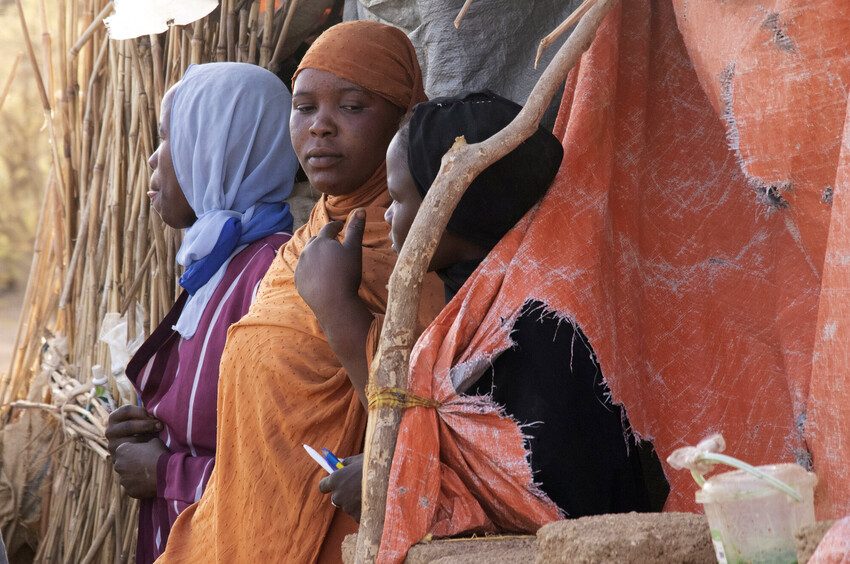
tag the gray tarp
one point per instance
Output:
(494, 47)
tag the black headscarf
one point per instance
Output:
(501, 195)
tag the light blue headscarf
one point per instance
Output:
(229, 134)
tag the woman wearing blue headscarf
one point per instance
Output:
(223, 168)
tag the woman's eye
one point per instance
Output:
(351, 108)
(303, 108)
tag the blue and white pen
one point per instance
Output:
(320, 460)
(335, 462)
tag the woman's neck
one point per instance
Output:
(456, 275)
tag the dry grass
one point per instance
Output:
(98, 248)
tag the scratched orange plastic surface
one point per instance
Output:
(698, 232)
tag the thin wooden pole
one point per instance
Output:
(462, 14)
(92, 28)
(561, 29)
(10, 79)
(277, 57)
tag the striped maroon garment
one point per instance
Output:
(178, 383)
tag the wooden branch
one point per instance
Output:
(460, 165)
(462, 14)
(561, 29)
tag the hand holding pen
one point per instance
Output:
(344, 485)
(344, 482)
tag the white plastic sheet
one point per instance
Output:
(135, 18)
(113, 332)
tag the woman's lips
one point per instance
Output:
(323, 162)
(318, 159)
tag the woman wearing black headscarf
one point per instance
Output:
(582, 454)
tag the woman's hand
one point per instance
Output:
(329, 272)
(328, 277)
(345, 486)
(130, 423)
(135, 464)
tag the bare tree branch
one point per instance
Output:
(561, 29)
(462, 13)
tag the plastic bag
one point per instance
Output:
(113, 332)
(135, 18)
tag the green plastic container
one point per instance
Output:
(753, 521)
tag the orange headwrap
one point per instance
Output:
(280, 383)
(377, 57)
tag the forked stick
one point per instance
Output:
(460, 165)
(561, 29)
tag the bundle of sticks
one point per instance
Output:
(98, 247)
(88, 518)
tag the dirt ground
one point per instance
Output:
(10, 308)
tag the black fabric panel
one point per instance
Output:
(579, 453)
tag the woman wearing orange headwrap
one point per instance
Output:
(281, 384)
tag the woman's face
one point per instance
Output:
(340, 131)
(406, 202)
(166, 196)
(403, 191)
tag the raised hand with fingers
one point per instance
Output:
(328, 270)
(328, 277)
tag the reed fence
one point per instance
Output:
(99, 249)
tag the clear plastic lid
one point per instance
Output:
(739, 484)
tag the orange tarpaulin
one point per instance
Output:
(264, 3)
(698, 232)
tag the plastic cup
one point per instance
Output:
(751, 520)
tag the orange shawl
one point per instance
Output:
(697, 232)
(280, 384)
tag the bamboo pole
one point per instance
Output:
(277, 57)
(268, 34)
(10, 79)
(460, 165)
(252, 31)
(221, 51)
(90, 30)
(45, 99)
(242, 52)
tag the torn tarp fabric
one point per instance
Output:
(697, 233)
